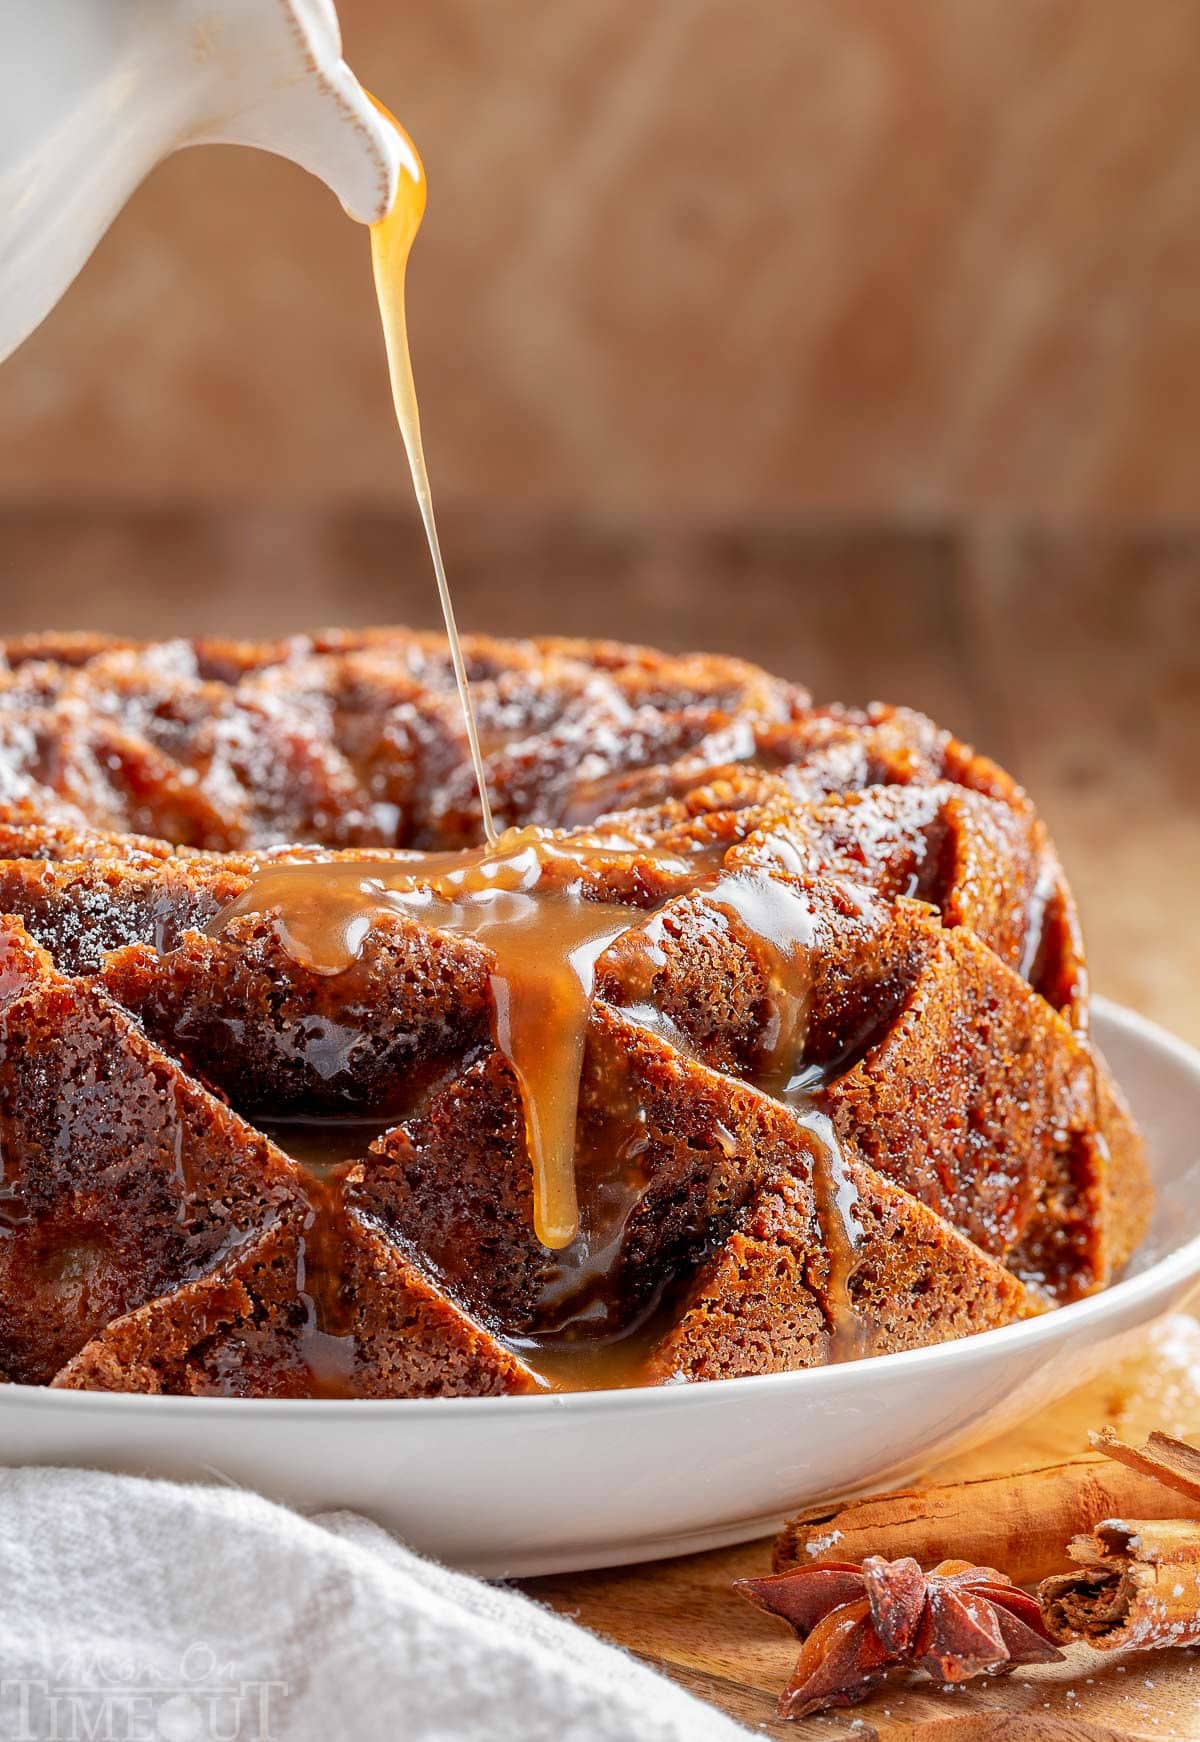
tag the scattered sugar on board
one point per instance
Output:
(1171, 1383)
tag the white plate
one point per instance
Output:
(525, 1485)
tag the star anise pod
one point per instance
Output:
(859, 1622)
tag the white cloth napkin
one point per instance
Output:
(145, 1611)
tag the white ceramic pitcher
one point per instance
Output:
(94, 93)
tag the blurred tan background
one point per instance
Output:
(868, 257)
(858, 336)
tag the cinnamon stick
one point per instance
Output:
(1172, 1462)
(1137, 1583)
(1020, 1522)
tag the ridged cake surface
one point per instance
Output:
(225, 1170)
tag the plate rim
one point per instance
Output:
(1166, 1273)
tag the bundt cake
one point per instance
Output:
(758, 1041)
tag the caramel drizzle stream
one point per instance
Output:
(835, 1199)
(391, 243)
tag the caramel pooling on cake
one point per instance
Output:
(544, 944)
(526, 900)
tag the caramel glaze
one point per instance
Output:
(328, 1345)
(541, 904)
(532, 901)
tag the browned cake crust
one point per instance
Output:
(161, 1228)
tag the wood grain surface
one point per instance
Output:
(1075, 659)
(682, 1616)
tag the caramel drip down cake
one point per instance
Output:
(758, 1041)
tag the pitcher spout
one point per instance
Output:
(94, 93)
(310, 108)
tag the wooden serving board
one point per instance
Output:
(682, 1617)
